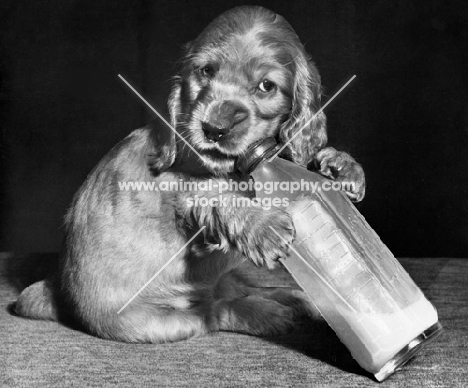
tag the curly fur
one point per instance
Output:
(247, 76)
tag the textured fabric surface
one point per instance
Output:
(43, 354)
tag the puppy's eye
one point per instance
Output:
(207, 71)
(266, 86)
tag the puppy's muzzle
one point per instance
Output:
(223, 117)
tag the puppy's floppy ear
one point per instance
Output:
(162, 153)
(173, 102)
(305, 104)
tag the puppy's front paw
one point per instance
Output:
(342, 167)
(268, 238)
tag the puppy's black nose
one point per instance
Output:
(213, 133)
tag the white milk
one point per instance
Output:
(375, 339)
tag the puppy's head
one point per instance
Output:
(247, 77)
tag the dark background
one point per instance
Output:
(405, 116)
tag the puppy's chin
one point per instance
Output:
(218, 163)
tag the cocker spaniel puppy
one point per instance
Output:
(246, 77)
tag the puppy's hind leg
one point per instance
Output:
(254, 315)
(251, 314)
(288, 296)
(149, 323)
(158, 326)
(233, 285)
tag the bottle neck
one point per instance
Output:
(255, 155)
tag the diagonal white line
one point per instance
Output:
(161, 117)
(160, 270)
(310, 120)
(313, 270)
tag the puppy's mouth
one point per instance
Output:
(219, 154)
(215, 154)
(220, 148)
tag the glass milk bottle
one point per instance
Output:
(356, 283)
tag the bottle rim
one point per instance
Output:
(256, 154)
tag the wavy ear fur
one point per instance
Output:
(173, 101)
(305, 104)
(164, 139)
(162, 153)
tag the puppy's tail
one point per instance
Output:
(37, 301)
